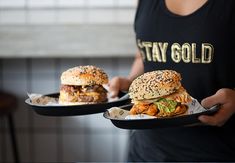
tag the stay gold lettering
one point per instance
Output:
(186, 52)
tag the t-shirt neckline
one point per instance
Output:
(171, 14)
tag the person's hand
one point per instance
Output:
(117, 84)
(226, 98)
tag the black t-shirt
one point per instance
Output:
(200, 46)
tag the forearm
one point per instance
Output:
(137, 67)
(136, 70)
(122, 83)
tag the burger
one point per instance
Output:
(159, 93)
(83, 85)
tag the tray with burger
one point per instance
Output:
(158, 100)
(81, 92)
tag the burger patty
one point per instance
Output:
(93, 93)
(87, 98)
(83, 89)
(151, 109)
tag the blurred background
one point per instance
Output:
(39, 39)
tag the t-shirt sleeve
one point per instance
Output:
(137, 13)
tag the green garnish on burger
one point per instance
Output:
(165, 105)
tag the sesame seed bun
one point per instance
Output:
(84, 75)
(154, 84)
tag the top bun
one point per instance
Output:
(154, 84)
(84, 75)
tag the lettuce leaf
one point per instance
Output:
(166, 105)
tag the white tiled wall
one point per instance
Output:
(12, 3)
(67, 11)
(59, 139)
(67, 3)
(40, 3)
(67, 16)
(71, 3)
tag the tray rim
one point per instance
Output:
(75, 110)
(27, 101)
(213, 109)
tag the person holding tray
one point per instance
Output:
(196, 39)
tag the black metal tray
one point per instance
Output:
(75, 110)
(184, 120)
